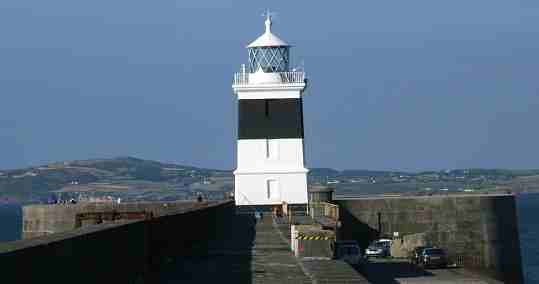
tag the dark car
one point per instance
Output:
(433, 257)
(348, 251)
(416, 254)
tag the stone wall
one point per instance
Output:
(124, 252)
(40, 220)
(478, 231)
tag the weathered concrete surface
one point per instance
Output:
(479, 231)
(40, 220)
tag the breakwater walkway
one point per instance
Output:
(249, 252)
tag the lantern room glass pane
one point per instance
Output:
(271, 59)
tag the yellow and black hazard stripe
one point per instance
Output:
(302, 236)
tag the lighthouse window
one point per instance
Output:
(272, 149)
(266, 108)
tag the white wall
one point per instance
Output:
(284, 155)
(251, 189)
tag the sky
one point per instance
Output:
(394, 85)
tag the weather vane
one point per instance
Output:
(268, 14)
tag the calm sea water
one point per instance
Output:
(528, 205)
(10, 222)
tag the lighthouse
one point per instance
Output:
(270, 148)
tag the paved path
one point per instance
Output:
(401, 271)
(273, 261)
(249, 252)
(333, 272)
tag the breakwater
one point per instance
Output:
(118, 252)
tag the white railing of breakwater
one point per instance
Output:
(293, 77)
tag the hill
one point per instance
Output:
(135, 179)
(105, 175)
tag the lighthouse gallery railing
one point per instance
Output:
(293, 77)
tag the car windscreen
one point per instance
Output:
(419, 249)
(435, 252)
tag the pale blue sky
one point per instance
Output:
(407, 85)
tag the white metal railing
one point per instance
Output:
(294, 77)
(241, 78)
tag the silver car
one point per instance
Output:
(378, 248)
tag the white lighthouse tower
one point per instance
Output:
(270, 167)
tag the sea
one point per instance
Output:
(10, 222)
(528, 204)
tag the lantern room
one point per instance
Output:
(269, 52)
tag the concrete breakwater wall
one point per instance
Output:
(124, 252)
(40, 220)
(479, 231)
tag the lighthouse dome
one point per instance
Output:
(268, 39)
(268, 51)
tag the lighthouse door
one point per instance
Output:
(273, 190)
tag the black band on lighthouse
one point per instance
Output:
(270, 119)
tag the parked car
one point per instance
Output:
(379, 247)
(416, 254)
(433, 257)
(348, 251)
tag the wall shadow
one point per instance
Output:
(509, 260)
(221, 254)
(197, 245)
(353, 229)
(388, 272)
